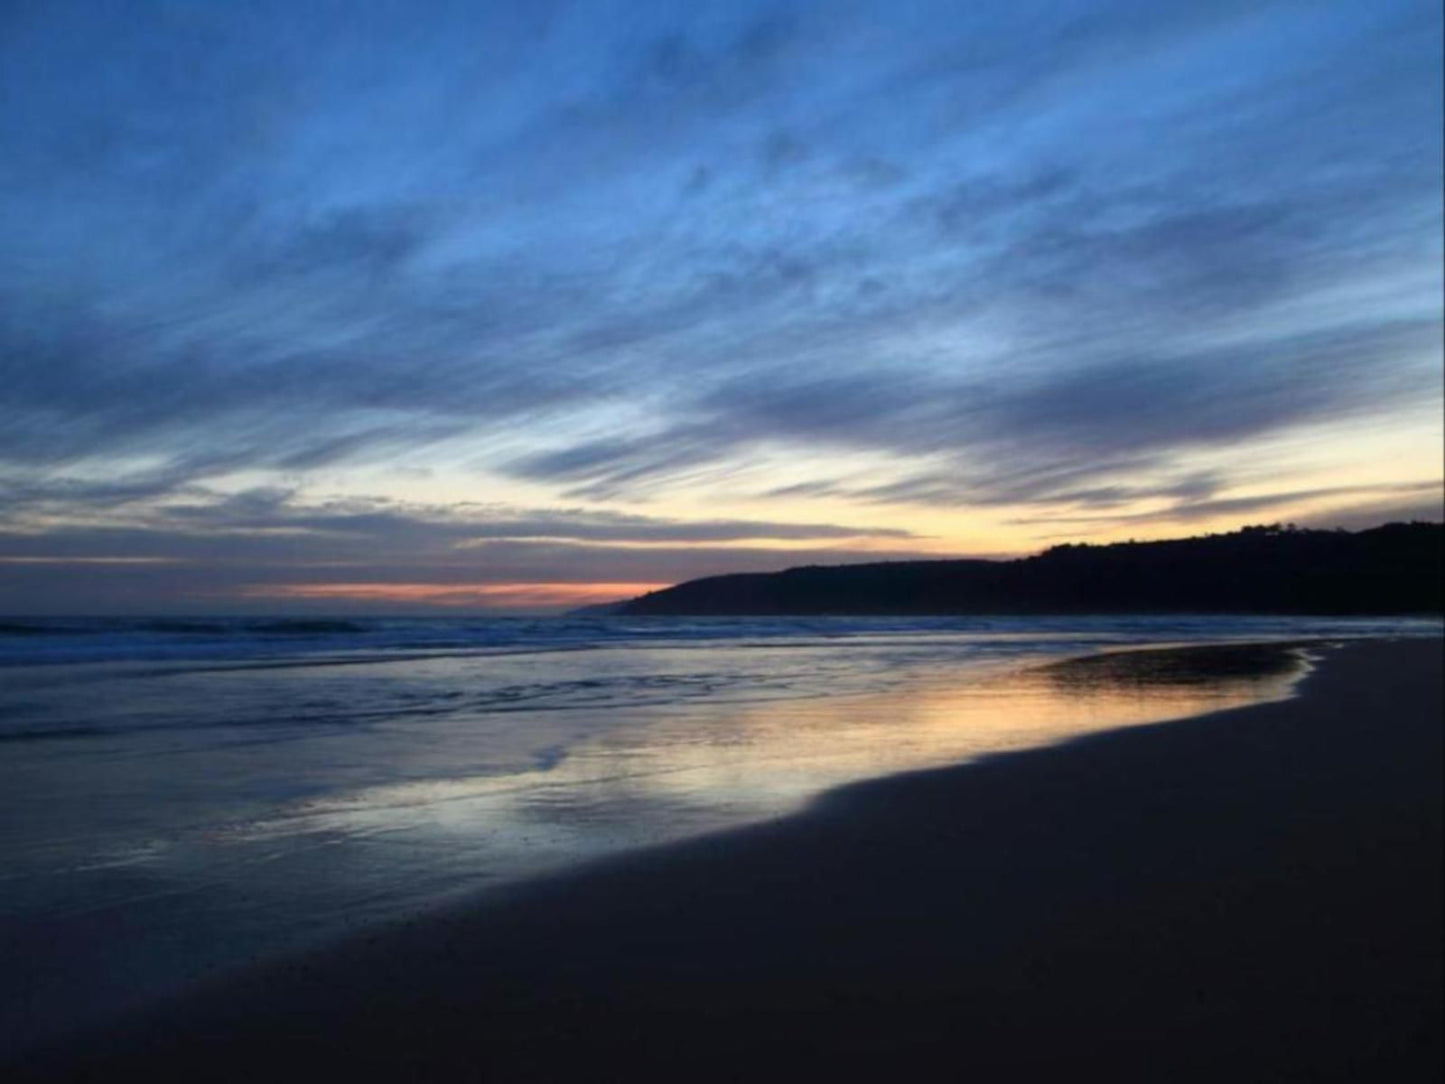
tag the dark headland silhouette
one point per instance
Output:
(1392, 569)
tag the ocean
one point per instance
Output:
(182, 798)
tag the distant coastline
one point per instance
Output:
(1392, 569)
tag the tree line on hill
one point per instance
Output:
(1278, 568)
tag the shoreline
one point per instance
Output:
(945, 717)
(1074, 895)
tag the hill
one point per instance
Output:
(1393, 569)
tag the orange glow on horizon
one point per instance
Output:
(494, 595)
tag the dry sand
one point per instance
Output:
(1252, 895)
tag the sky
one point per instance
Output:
(392, 307)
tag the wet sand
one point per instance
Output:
(1250, 895)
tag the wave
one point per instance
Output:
(313, 626)
(56, 733)
(270, 640)
(397, 704)
(183, 627)
(306, 627)
(20, 628)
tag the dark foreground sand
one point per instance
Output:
(1248, 896)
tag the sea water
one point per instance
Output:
(181, 798)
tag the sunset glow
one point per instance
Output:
(428, 297)
(511, 596)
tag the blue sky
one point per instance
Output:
(397, 304)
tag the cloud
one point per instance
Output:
(1014, 254)
(1389, 501)
(266, 576)
(203, 513)
(1372, 513)
(271, 536)
(1035, 437)
(196, 548)
(484, 596)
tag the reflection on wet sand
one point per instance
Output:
(697, 768)
(778, 755)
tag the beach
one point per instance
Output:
(1252, 894)
(183, 801)
(745, 542)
